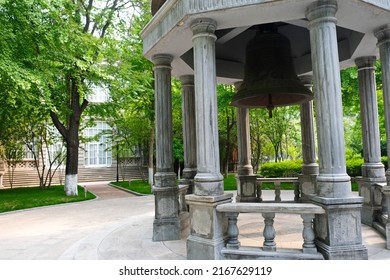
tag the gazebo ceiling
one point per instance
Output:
(169, 31)
(231, 44)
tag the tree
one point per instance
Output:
(59, 48)
(227, 125)
(130, 111)
(283, 121)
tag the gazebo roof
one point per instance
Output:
(169, 31)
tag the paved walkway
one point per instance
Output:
(119, 225)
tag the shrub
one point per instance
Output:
(354, 166)
(288, 168)
(292, 168)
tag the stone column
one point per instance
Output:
(246, 181)
(208, 227)
(338, 231)
(189, 130)
(166, 224)
(373, 171)
(383, 35)
(307, 180)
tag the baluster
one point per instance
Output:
(259, 191)
(233, 232)
(308, 234)
(277, 192)
(297, 193)
(269, 232)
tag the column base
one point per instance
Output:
(373, 170)
(189, 183)
(372, 198)
(353, 252)
(307, 186)
(204, 249)
(166, 225)
(208, 233)
(338, 231)
(166, 229)
(247, 188)
(208, 184)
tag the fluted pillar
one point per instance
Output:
(383, 35)
(373, 171)
(189, 130)
(166, 224)
(208, 227)
(246, 181)
(307, 180)
(341, 225)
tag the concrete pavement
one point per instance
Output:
(118, 225)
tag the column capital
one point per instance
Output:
(187, 80)
(365, 62)
(307, 80)
(162, 59)
(203, 26)
(321, 10)
(383, 34)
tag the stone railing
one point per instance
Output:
(277, 182)
(182, 198)
(133, 161)
(233, 250)
(382, 222)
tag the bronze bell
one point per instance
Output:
(270, 79)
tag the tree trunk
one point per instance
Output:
(71, 136)
(72, 155)
(151, 151)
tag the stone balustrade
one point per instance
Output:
(182, 198)
(277, 182)
(382, 221)
(307, 211)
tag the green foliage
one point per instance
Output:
(354, 166)
(23, 198)
(292, 168)
(288, 168)
(230, 183)
(137, 186)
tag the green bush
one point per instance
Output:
(288, 168)
(292, 168)
(354, 166)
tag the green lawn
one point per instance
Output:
(138, 186)
(142, 187)
(230, 184)
(30, 197)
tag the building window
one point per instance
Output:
(99, 94)
(98, 150)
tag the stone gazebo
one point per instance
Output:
(204, 42)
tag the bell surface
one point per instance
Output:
(270, 79)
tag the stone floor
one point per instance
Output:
(118, 226)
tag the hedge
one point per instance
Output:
(292, 168)
(287, 168)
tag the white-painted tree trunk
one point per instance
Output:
(150, 179)
(71, 185)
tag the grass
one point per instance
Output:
(142, 187)
(30, 197)
(230, 184)
(138, 186)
